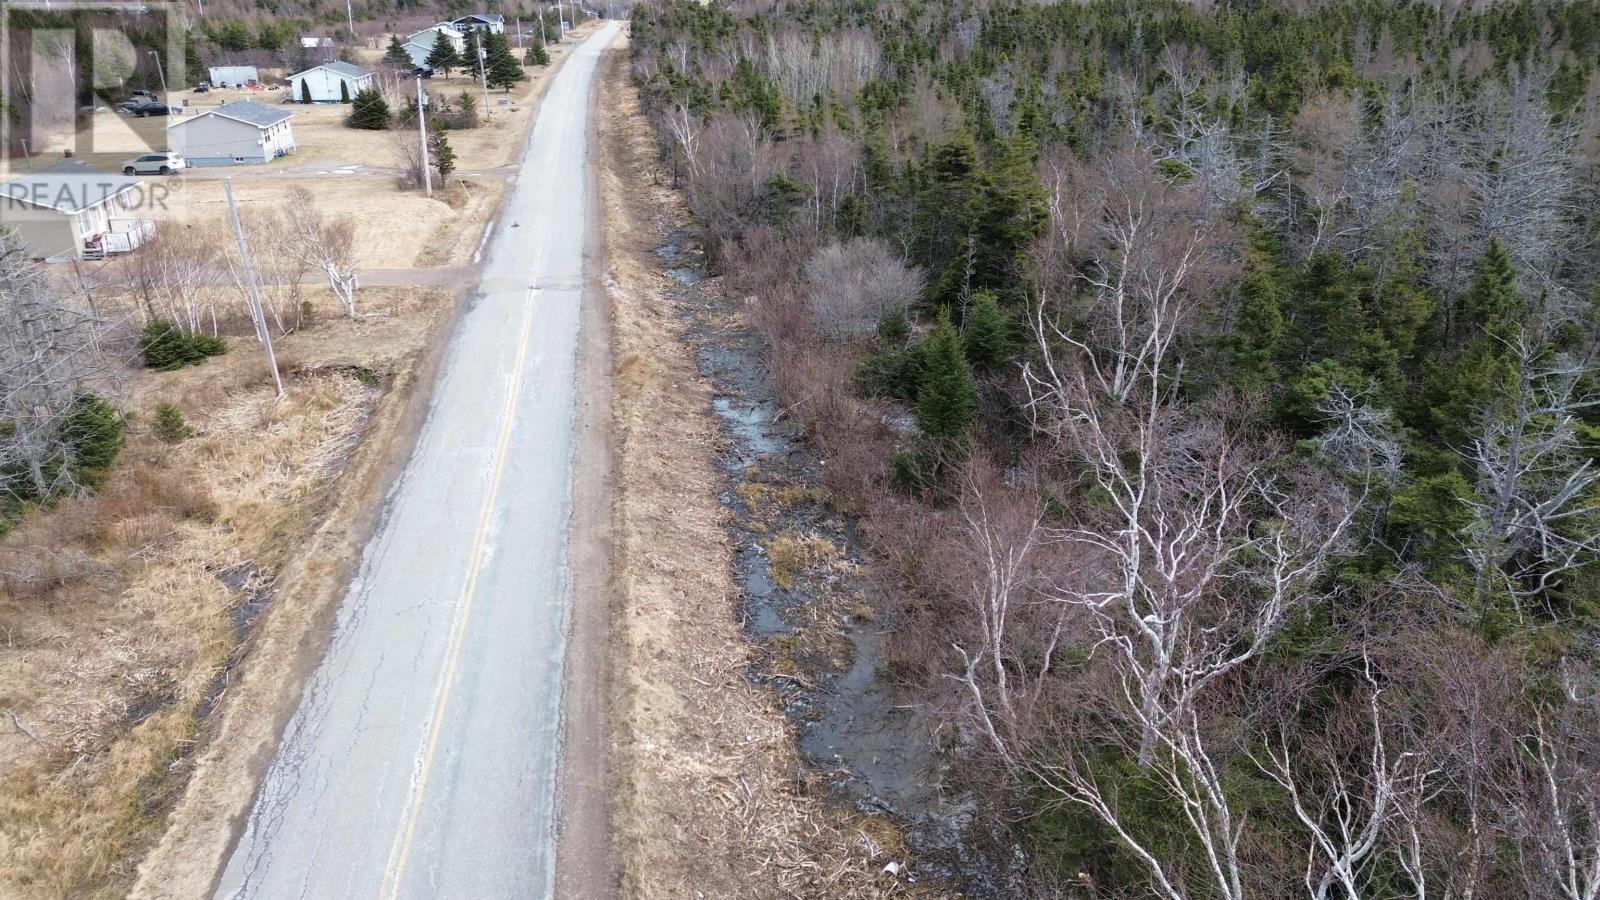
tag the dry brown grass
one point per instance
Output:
(114, 622)
(794, 552)
(394, 228)
(708, 800)
(108, 657)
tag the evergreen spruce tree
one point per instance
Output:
(443, 57)
(440, 152)
(988, 336)
(947, 398)
(396, 56)
(466, 112)
(501, 67)
(344, 91)
(191, 60)
(369, 111)
(170, 426)
(536, 56)
(1493, 306)
(93, 434)
(305, 91)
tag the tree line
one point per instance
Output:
(1217, 383)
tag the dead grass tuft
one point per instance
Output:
(792, 553)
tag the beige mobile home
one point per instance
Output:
(73, 212)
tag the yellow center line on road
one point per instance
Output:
(400, 851)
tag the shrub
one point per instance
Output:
(165, 348)
(369, 111)
(170, 426)
(855, 285)
(92, 434)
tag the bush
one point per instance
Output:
(165, 348)
(170, 426)
(92, 434)
(855, 285)
(369, 111)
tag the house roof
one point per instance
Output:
(339, 66)
(67, 187)
(486, 18)
(431, 29)
(249, 112)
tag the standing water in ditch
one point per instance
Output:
(821, 632)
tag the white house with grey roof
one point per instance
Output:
(330, 82)
(70, 211)
(233, 134)
(421, 43)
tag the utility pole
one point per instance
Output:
(542, 11)
(561, 19)
(350, 16)
(26, 156)
(519, 32)
(162, 72)
(483, 77)
(422, 128)
(257, 314)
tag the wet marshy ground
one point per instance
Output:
(822, 633)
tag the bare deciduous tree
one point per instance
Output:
(1350, 799)
(324, 244)
(1558, 806)
(49, 358)
(1535, 515)
(853, 285)
(171, 273)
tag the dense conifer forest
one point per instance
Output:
(1216, 383)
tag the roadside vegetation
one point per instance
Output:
(1217, 387)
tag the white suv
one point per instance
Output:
(154, 164)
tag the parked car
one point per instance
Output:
(148, 108)
(422, 72)
(202, 88)
(137, 96)
(155, 164)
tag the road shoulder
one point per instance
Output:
(710, 797)
(584, 861)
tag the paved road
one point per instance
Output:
(422, 761)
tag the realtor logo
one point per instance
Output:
(82, 80)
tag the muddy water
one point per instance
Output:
(825, 632)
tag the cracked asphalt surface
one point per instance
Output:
(422, 761)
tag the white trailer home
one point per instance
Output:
(233, 76)
(233, 134)
(70, 211)
(330, 82)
